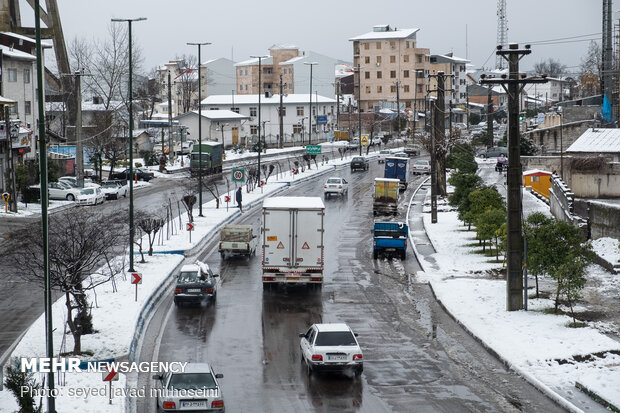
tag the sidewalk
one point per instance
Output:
(538, 346)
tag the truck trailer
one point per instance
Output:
(397, 168)
(293, 235)
(386, 196)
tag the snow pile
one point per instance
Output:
(607, 248)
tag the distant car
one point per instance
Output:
(142, 175)
(331, 347)
(195, 389)
(401, 155)
(359, 162)
(383, 154)
(335, 186)
(72, 180)
(195, 284)
(91, 196)
(421, 166)
(376, 140)
(494, 152)
(60, 190)
(354, 143)
(186, 147)
(410, 150)
(114, 189)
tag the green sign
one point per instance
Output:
(238, 175)
(313, 149)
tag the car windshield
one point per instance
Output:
(189, 381)
(87, 191)
(189, 276)
(358, 159)
(110, 185)
(422, 163)
(335, 338)
(384, 152)
(333, 181)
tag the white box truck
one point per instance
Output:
(293, 240)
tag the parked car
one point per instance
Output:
(410, 150)
(91, 196)
(493, 152)
(421, 166)
(72, 180)
(359, 162)
(337, 186)
(376, 140)
(142, 175)
(194, 389)
(383, 154)
(354, 143)
(195, 284)
(60, 190)
(331, 347)
(114, 189)
(186, 147)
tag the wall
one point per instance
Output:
(604, 220)
(597, 184)
(552, 140)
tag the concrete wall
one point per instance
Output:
(551, 140)
(604, 220)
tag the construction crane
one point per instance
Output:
(502, 32)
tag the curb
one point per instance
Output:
(597, 398)
(413, 247)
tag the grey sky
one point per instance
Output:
(240, 28)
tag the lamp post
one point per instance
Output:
(359, 104)
(260, 59)
(131, 223)
(310, 114)
(199, 128)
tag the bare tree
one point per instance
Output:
(550, 67)
(187, 81)
(149, 224)
(81, 257)
(590, 70)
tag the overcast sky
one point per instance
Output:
(239, 28)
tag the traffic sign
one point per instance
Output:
(313, 149)
(14, 131)
(280, 246)
(190, 226)
(110, 375)
(238, 175)
(321, 119)
(136, 278)
(226, 198)
(364, 141)
(6, 196)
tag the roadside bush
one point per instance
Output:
(150, 158)
(461, 157)
(14, 381)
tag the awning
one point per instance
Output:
(5, 101)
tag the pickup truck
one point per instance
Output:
(410, 150)
(390, 238)
(237, 240)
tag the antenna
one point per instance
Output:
(502, 32)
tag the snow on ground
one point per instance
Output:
(607, 248)
(31, 209)
(115, 313)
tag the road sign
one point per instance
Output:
(110, 375)
(136, 278)
(313, 149)
(364, 140)
(238, 175)
(541, 118)
(190, 226)
(226, 198)
(321, 120)
(6, 196)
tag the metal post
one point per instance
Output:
(260, 59)
(49, 341)
(170, 142)
(281, 140)
(310, 114)
(79, 152)
(131, 223)
(561, 146)
(359, 105)
(199, 129)
(435, 115)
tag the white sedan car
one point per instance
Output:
(331, 347)
(421, 166)
(91, 196)
(60, 190)
(72, 180)
(335, 186)
(195, 389)
(114, 189)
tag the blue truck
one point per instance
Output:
(390, 238)
(397, 168)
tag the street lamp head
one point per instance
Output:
(311, 63)
(198, 43)
(137, 19)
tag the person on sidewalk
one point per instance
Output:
(238, 198)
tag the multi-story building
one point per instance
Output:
(293, 65)
(548, 93)
(389, 59)
(455, 70)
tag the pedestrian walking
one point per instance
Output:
(238, 198)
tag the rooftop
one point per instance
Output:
(273, 100)
(297, 202)
(597, 140)
(387, 34)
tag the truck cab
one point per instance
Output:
(237, 240)
(390, 238)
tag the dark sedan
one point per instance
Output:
(195, 284)
(140, 173)
(359, 162)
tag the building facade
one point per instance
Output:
(455, 70)
(390, 60)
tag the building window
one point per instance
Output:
(392, 59)
(392, 74)
(246, 72)
(252, 111)
(27, 108)
(392, 89)
(240, 88)
(392, 44)
(13, 109)
(379, 89)
(378, 59)
(313, 110)
(297, 128)
(407, 44)
(240, 72)
(26, 75)
(406, 88)
(12, 73)
(405, 73)
(379, 75)
(236, 110)
(420, 89)
(366, 46)
(283, 111)
(300, 110)
(253, 130)
(367, 89)
(378, 45)
(406, 58)
(366, 75)
(367, 59)
(420, 58)
(331, 110)
(246, 88)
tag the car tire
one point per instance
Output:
(70, 197)
(358, 371)
(403, 255)
(375, 254)
(215, 297)
(222, 255)
(308, 369)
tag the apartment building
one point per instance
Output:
(455, 70)
(389, 59)
(293, 64)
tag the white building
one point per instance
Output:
(549, 93)
(218, 77)
(295, 116)
(217, 125)
(455, 69)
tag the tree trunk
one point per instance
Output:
(77, 338)
(557, 298)
(536, 277)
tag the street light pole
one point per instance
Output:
(131, 223)
(310, 114)
(199, 129)
(260, 59)
(359, 104)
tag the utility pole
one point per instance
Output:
(170, 143)
(434, 116)
(281, 116)
(79, 151)
(338, 104)
(9, 158)
(260, 146)
(515, 291)
(398, 107)
(359, 105)
(490, 117)
(310, 114)
(349, 122)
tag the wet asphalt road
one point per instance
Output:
(417, 359)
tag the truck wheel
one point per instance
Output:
(267, 286)
(403, 255)
(223, 255)
(375, 254)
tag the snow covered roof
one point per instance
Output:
(284, 46)
(267, 60)
(86, 106)
(536, 172)
(597, 140)
(285, 202)
(216, 115)
(344, 70)
(46, 44)
(16, 54)
(390, 34)
(293, 60)
(273, 100)
(443, 58)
